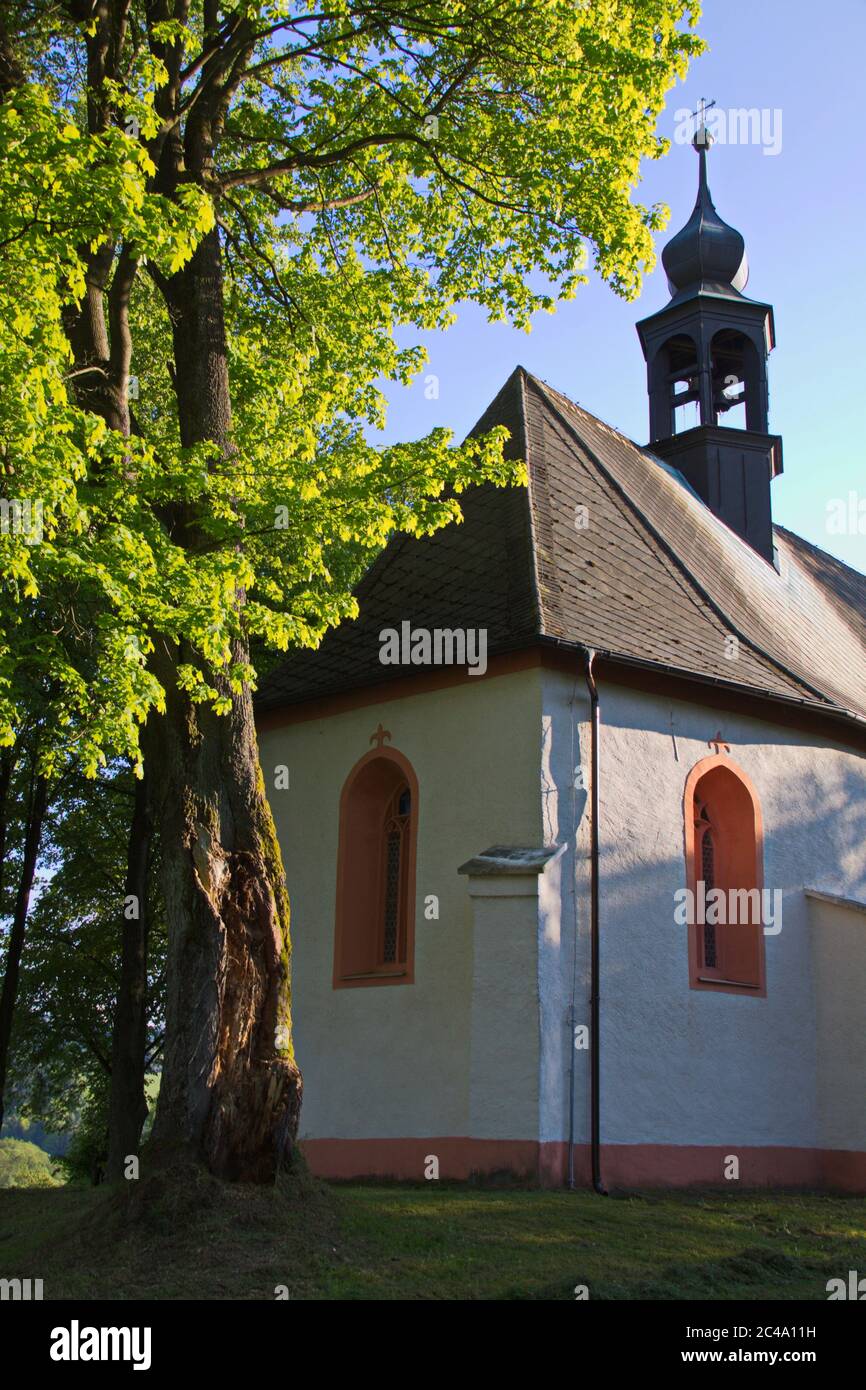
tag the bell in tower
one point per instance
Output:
(706, 353)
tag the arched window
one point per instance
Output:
(394, 874)
(374, 935)
(724, 873)
(707, 847)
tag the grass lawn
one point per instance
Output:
(203, 1240)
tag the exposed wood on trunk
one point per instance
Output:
(230, 1088)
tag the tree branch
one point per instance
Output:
(252, 178)
(118, 318)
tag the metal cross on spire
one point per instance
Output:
(702, 138)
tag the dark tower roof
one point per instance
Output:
(706, 256)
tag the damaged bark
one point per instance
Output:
(231, 1091)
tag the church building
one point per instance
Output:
(576, 813)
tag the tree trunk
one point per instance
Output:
(9, 993)
(7, 767)
(127, 1110)
(231, 1090)
(12, 70)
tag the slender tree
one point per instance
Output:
(34, 820)
(128, 1103)
(71, 985)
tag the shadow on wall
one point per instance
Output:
(681, 1065)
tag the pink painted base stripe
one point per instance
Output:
(406, 1158)
(623, 1165)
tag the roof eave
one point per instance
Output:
(684, 673)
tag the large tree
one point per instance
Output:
(343, 172)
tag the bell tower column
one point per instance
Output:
(706, 353)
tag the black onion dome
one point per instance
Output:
(706, 255)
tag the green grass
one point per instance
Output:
(195, 1238)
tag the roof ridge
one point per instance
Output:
(635, 517)
(533, 546)
(518, 371)
(575, 405)
(819, 550)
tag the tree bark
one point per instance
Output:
(127, 1110)
(9, 993)
(12, 71)
(230, 1090)
(102, 364)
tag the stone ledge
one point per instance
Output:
(511, 860)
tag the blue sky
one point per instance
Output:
(802, 212)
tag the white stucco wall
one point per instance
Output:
(481, 1044)
(678, 1065)
(395, 1061)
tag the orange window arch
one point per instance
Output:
(724, 845)
(374, 938)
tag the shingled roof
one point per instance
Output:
(652, 578)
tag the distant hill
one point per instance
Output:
(25, 1165)
(33, 1133)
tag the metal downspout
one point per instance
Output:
(595, 1018)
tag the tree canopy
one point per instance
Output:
(370, 166)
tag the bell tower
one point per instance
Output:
(706, 353)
